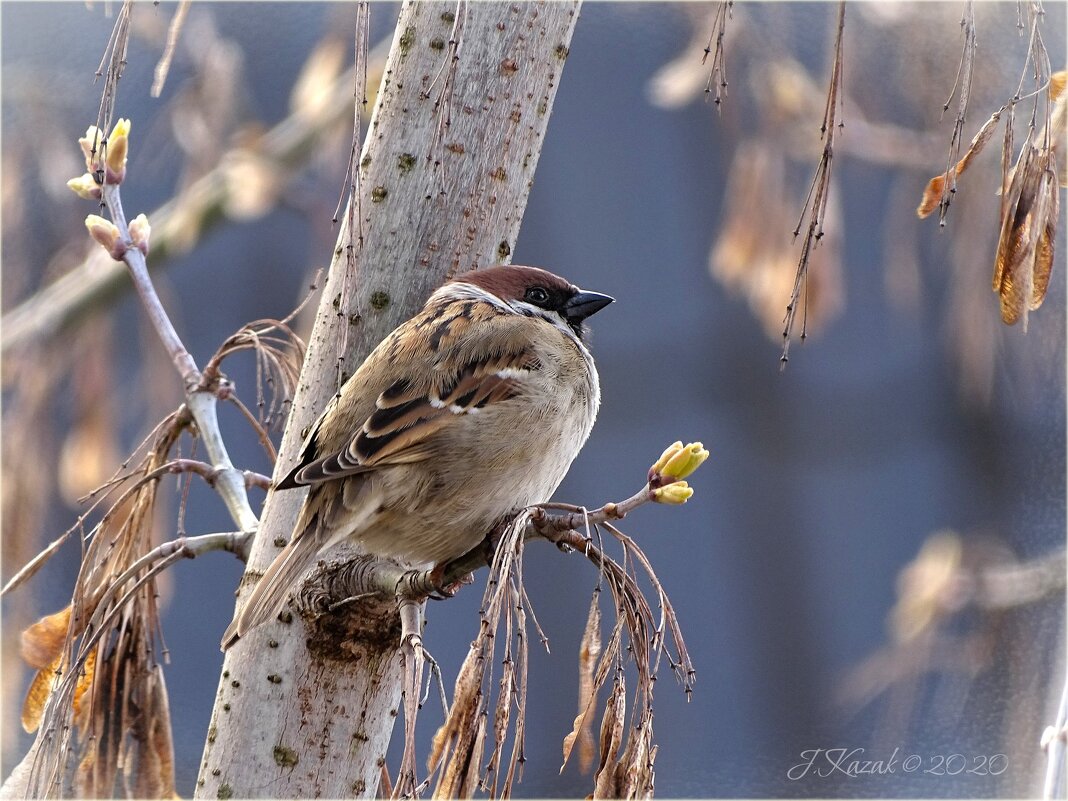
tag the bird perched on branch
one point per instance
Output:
(467, 412)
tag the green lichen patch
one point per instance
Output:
(285, 757)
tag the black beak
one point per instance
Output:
(583, 304)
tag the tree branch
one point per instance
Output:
(157, 315)
(201, 396)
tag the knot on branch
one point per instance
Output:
(349, 598)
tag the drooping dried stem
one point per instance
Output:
(964, 82)
(110, 654)
(816, 202)
(171, 424)
(1030, 196)
(632, 774)
(717, 76)
(458, 747)
(111, 67)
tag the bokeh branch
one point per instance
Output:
(180, 222)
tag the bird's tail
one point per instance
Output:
(267, 596)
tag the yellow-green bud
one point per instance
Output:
(665, 457)
(684, 461)
(118, 145)
(674, 494)
(85, 186)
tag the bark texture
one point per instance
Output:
(306, 708)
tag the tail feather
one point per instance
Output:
(267, 597)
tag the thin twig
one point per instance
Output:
(138, 270)
(237, 542)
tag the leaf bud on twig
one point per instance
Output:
(107, 236)
(673, 494)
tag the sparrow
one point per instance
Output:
(468, 412)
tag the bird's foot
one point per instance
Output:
(443, 591)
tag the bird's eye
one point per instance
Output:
(537, 295)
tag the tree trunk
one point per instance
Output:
(447, 166)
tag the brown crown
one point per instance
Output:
(510, 282)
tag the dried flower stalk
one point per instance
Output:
(717, 76)
(815, 207)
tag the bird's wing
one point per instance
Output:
(471, 368)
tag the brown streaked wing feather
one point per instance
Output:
(403, 433)
(401, 418)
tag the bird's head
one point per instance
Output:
(534, 292)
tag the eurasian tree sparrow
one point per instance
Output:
(469, 411)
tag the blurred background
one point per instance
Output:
(830, 574)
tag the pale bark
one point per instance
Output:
(309, 714)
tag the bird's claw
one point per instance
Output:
(445, 591)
